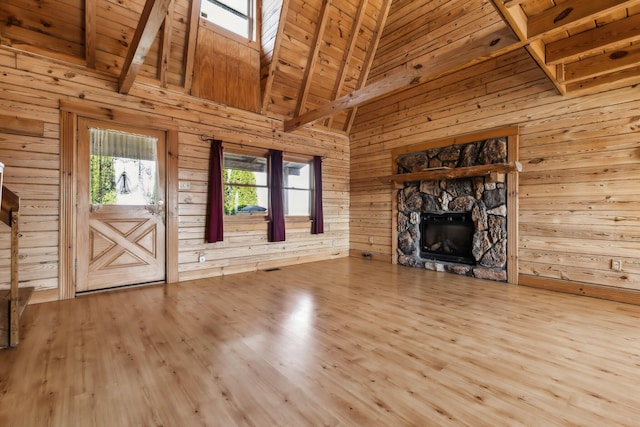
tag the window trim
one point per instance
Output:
(308, 160)
(264, 153)
(252, 30)
(241, 151)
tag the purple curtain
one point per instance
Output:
(317, 216)
(276, 197)
(215, 205)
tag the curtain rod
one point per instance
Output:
(208, 140)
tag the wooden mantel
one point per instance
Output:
(453, 173)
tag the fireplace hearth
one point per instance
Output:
(455, 225)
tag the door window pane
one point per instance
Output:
(124, 168)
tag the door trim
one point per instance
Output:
(69, 113)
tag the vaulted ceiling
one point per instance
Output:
(322, 59)
(582, 46)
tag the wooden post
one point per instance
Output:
(14, 310)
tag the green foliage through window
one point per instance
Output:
(237, 197)
(103, 183)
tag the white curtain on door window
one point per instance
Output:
(113, 143)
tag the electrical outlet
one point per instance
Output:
(184, 185)
(201, 258)
(371, 240)
(616, 265)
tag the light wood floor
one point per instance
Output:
(346, 342)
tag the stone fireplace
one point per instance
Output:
(466, 215)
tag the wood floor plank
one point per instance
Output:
(335, 343)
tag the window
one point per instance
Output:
(296, 181)
(123, 168)
(246, 188)
(233, 15)
(245, 184)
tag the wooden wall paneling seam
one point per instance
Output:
(67, 215)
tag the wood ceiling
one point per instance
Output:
(582, 46)
(322, 59)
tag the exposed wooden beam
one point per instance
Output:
(609, 81)
(165, 48)
(618, 33)
(368, 60)
(572, 13)
(192, 40)
(348, 53)
(312, 59)
(153, 15)
(599, 65)
(472, 52)
(266, 94)
(90, 13)
(514, 16)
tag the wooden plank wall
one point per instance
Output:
(32, 88)
(579, 197)
(227, 69)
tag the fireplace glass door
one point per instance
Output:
(447, 237)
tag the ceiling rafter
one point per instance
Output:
(284, 11)
(618, 33)
(571, 13)
(348, 53)
(153, 14)
(165, 47)
(578, 59)
(90, 16)
(368, 61)
(192, 39)
(312, 59)
(599, 65)
(472, 52)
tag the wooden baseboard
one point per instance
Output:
(628, 296)
(370, 255)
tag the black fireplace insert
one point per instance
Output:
(447, 237)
